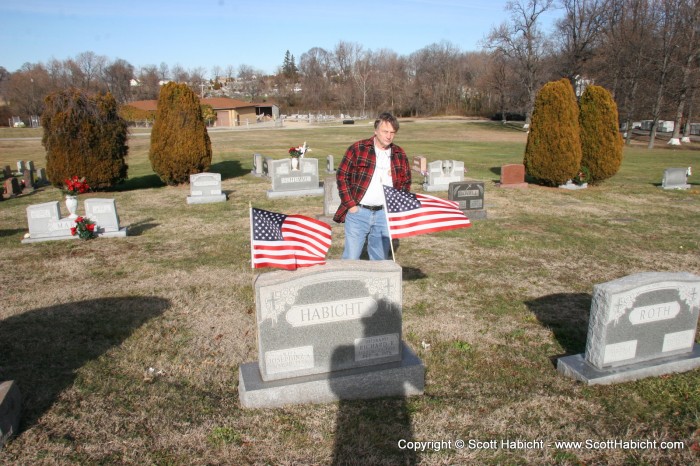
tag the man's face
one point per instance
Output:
(384, 134)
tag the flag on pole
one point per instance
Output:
(287, 241)
(410, 214)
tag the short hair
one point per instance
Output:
(389, 118)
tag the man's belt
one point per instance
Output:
(373, 208)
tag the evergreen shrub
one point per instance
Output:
(553, 149)
(601, 141)
(180, 144)
(85, 137)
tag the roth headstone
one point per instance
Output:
(420, 164)
(10, 410)
(330, 332)
(512, 176)
(639, 326)
(205, 188)
(441, 173)
(289, 182)
(675, 178)
(470, 196)
(104, 213)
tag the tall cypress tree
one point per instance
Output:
(84, 136)
(553, 150)
(180, 144)
(601, 142)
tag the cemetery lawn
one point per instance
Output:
(126, 351)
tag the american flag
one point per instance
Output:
(410, 214)
(287, 241)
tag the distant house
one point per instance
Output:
(229, 112)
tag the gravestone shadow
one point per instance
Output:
(139, 228)
(367, 431)
(229, 169)
(140, 182)
(566, 314)
(42, 349)
(4, 233)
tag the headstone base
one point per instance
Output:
(573, 186)
(296, 193)
(475, 214)
(206, 199)
(511, 185)
(10, 410)
(576, 367)
(678, 186)
(436, 187)
(404, 378)
(107, 234)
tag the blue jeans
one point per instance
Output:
(367, 225)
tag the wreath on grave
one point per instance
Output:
(297, 152)
(84, 228)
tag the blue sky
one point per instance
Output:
(226, 33)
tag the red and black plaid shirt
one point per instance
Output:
(356, 169)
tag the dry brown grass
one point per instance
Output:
(83, 322)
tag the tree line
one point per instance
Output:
(645, 52)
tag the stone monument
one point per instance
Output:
(470, 196)
(640, 325)
(205, 188)
(441, 173)
(290, 182)
(331, 199)
(676, 178)
(10, 410)
(104, 213)
(512, 176)
(327, 333)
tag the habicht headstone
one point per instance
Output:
(205, 188)
(675, 178)
(329, 332)
(257, 165)
(420, 164)
(512, 176)
(45, 223)
(104, 213)
(441, 173)
(10, 410)
(330, 165)
(470, 196)
(289, 182)
(639, 326)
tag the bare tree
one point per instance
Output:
(578, 34)
(522, 41)
(118, 76)
(251, 81)
(91, 67)
(315, 70)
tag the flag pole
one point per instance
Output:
(250, 214)
(386, 219)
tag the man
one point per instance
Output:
(367, 166)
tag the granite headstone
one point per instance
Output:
(513, 176)
(470, 196)
(104, 213)
(329, 332)
(640, 325)
(441, 173)
(205, 188)
(288, 182)
(675, 178)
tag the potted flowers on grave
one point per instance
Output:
(71, 188)
(582, 177)
(84, 228)
(296, 153)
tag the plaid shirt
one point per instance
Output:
(356, 169)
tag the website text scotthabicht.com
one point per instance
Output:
(505, 444)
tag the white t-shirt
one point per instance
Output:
(381, 177)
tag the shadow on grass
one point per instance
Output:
(5, 233)
(411, 273)
(566, 314)
(229, 169)
(43, 348)
(138, 228)
(141, 182)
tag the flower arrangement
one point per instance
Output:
(582, 176)
(74, 186)
(297, 152)
(84, 228)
